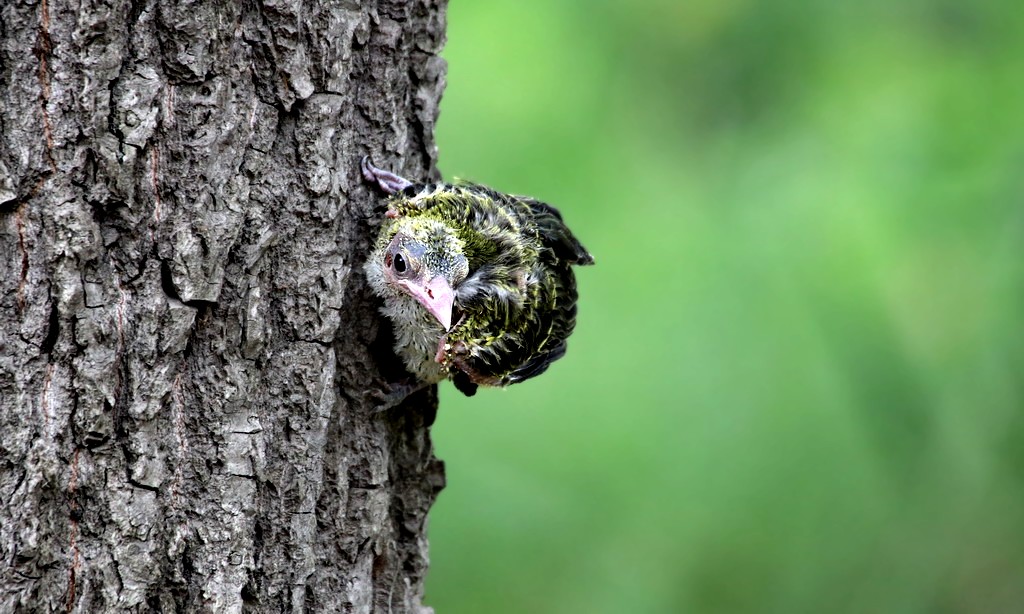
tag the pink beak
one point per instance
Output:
(438, 297)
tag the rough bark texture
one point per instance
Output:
(187, 340)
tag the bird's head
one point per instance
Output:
(425, 260)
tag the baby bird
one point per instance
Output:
(478, 284)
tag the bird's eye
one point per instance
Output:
(399, 264)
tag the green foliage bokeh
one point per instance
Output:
(797, 380)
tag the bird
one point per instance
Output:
(478, 284)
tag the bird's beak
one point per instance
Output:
(438, 297)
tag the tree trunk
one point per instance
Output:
(188, 345)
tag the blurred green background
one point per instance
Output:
(797, 380)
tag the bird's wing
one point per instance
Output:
(536, 365)
(555, 234)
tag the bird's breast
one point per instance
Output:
(417, 335)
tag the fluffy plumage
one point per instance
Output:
(478, 284)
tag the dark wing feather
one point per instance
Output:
(555, 234)
(536, 365)
(463, 384)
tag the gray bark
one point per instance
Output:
(187, 341)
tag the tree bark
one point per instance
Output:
(188, 344)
